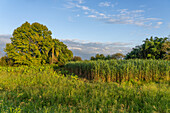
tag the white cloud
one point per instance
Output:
(139, 23)
(149, 19)
(83, 7)
(92, 16)
(80, 1)
(105, 4)
(101, 14)
(119, 16)
(122, 10)
(76, 1)
(138, 11)
(75, 48)
(86, 49)
(4, 39)
(159, 23)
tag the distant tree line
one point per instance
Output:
(77, 58)
(108, 57)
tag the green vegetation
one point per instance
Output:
(32, 44)
(41, 89)
(108, 57)
(157, 48)
(122, 70)
(76, 58)
(104, 85)
(166, 47)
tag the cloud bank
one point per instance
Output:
(82, 48)
(87, 49)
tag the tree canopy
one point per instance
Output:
(32, 44)
(77, 58)
(166, 48)
(156, 48)
(108, 57)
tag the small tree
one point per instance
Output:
(117, 56)
(102, 56)
(5, 61)
(166, 48)
(97, 56)
(77, 58)
(92, 58)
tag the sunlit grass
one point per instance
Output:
(40, 89)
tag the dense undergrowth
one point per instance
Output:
(41, 89)
(122, 70)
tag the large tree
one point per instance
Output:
(151, 49)
(32, 44)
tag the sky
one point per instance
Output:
(89, 27)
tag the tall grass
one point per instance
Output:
(40, 89)
(122, 70)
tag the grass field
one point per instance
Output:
(41, 89)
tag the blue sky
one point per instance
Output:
(126, 22)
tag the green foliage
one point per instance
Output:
(5, 61)
(166, 47)
(40, 89)
(98, 57)
(117, 56)
(76, 58)
(151, 49)
(32, 44)
(108, 57)
(121, 70)
(59, 54)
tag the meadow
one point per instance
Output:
(43, 89)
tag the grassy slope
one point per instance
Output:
(43, 90)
